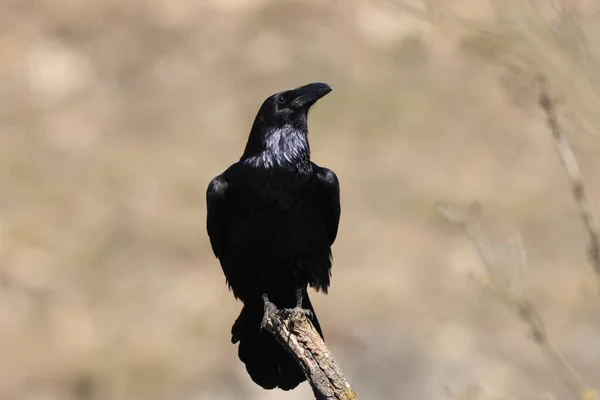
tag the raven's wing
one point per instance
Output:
(328, 199)
(216, 205)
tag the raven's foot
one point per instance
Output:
(270, 308)
(298, 310)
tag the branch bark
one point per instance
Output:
(298, 336)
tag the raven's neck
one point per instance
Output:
(282, 147)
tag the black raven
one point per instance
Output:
(272, 218)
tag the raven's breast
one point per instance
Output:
(276, 213)
(275, 236)
(274, 224)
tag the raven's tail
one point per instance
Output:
(268, 364)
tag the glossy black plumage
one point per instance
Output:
(272, 218)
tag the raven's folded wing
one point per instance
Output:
(328, 198)
(216, 204)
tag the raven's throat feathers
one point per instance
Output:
(282, 147)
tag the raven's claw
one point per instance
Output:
(298, 310)
(269, 308)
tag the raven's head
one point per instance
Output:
(280, 127)
(291, 106)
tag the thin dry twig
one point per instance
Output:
(468, 220)
(298, 336)
(571, 166)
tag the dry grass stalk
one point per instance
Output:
(569, 162)
(509, 293)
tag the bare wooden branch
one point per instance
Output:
(298, 336)
(512, 299)
(571, 166)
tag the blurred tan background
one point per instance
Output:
(114, 116)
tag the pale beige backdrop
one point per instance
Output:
(114, 116)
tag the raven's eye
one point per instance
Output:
(281, 99)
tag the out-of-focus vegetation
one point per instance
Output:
(114, 115)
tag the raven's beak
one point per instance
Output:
(308, 95)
